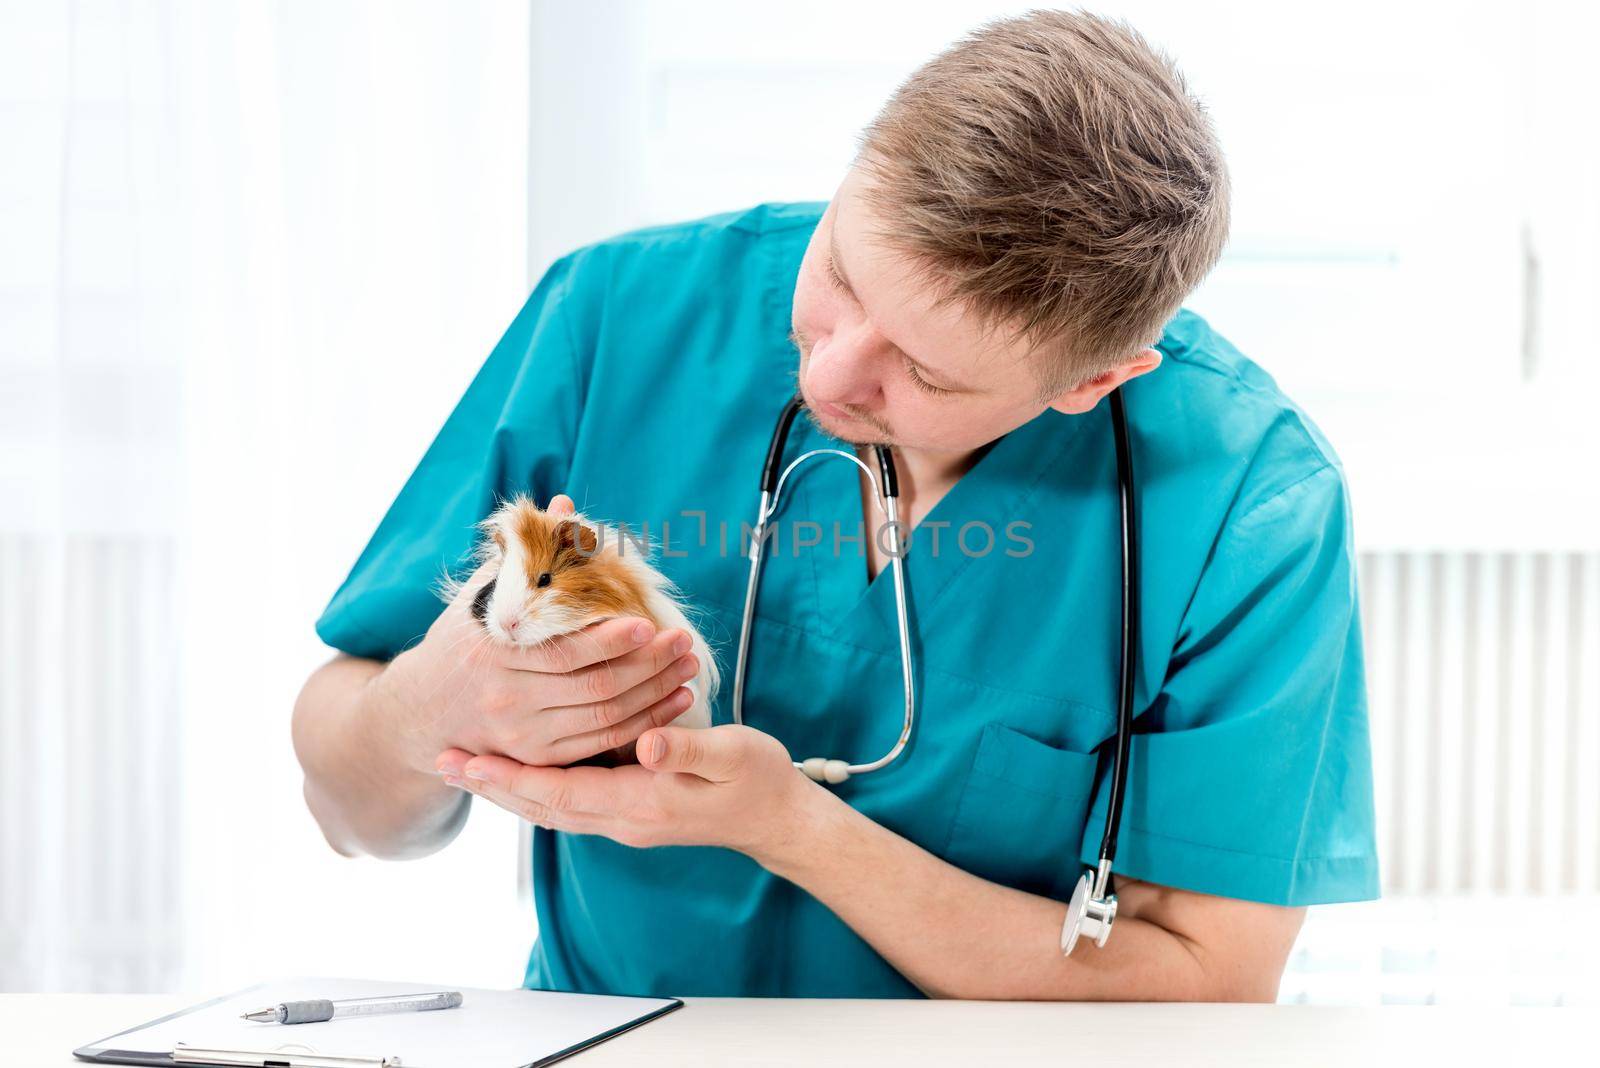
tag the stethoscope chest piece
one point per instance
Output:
(1090, 914)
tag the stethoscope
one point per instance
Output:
(1093, 907)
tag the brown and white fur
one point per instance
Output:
(558, 574)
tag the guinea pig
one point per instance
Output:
(558, 574)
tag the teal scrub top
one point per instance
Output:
(643, 377)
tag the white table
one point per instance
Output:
(41, 1030)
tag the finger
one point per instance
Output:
(594, 644)
(561, 504)
(561, 791)
(578, 703)
(452, 762)
(610, 679)
(584, 746)
(532, 811)
(717, 754)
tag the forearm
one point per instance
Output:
(365, 782)
(956, 935)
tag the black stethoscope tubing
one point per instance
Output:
(1104, 888)
(1129, 653)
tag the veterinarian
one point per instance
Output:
(1014, 242)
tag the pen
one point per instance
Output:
(319, 1009)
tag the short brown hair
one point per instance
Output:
(1052, 173)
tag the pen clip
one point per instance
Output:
(183, 1053)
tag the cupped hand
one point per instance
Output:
(730, 785)
(564, 700)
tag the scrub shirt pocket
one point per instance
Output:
(1021, 818)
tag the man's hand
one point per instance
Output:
(561, 701)
(729, 786)
(951, 933)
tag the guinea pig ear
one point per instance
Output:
(572, 534)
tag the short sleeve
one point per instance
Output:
(1251, 773)
(512, 431)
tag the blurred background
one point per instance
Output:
(251, 254)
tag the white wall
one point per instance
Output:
(1414, 206)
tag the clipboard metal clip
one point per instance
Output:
(183, 1053)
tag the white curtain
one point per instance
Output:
(250, 255)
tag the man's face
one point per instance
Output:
(880, 364)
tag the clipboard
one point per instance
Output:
(492, 1029)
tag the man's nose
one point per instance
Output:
(843, 371)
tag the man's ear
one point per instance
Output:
(1086, 395)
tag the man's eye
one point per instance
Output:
(837, 279)
(923, 384)
(544, 579)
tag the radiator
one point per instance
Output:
(90, 857)
(1484, 676)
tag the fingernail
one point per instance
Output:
(477, 773)
(642, 632)
(451, 780)
(658, 749)
(686, 669)
(680, 646)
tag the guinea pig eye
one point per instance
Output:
(544, 579)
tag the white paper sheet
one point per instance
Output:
(491, 1029)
